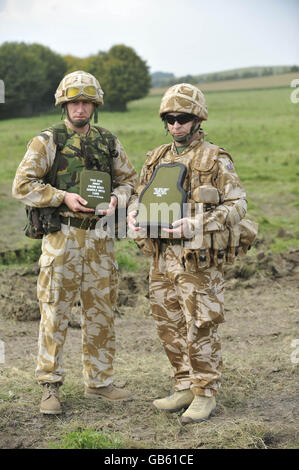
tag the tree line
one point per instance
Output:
(31, 74)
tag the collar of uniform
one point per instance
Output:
(194, 143)
(72, 132)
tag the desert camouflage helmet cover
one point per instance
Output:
(80, 79)
(184, 98)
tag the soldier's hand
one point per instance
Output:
(132, 221)
(182, 228)
(76, 203)
(111, 208)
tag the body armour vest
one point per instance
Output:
(76, 152)
(201, 161)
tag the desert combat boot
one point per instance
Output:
(199, 410)
(50, 404)
(110, 393)
(175, 402)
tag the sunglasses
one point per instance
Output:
(73, 91)
(180, 118)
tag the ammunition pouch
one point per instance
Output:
(190, 261)
(41, 221)
(221, 247)
(206, 193)
(220, 243)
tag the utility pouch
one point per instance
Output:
(50, 219)
(204, 253)
(220, 245)
(41, 221)
(44, 220)
(199, 258)
(206, 193)
(34, 226)
(190, 261)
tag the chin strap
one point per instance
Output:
(186, 137)
(84, 121)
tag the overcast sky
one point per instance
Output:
(178, 36)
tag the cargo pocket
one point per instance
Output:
(45, 288)
(114, 287)
(209, 307)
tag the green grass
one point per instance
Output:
(258, 127)
(88, 439)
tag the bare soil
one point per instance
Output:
(257, 406)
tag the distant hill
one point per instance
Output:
(162, 79)
(252, 83)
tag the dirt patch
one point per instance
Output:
(256, 406)
(18, 293)
(18, 285)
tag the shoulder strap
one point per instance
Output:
(59, 137)
(59, 134)
(222, 151)
(155, 155)
(152, 160)
(109, 139)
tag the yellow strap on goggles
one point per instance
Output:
(74, 91)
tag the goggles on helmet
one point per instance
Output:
(180, 118)
(75, 91)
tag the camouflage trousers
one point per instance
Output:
(74, 264)
(187, 308)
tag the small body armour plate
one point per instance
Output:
(161, 201)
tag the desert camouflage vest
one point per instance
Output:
(202, 167)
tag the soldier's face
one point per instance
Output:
(177, 129)
(80, 110)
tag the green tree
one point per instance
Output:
(55, 68)
(31, 74)
(76, 63)
(123, 75)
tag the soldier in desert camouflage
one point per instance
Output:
(75, 260)
(186, 281)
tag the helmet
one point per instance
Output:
(184, 98)
(78, 85)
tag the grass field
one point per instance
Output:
(258, 127)
(258, 401)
